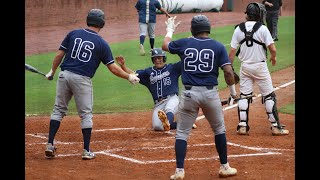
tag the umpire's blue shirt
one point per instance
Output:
(147, 10)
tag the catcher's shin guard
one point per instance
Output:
(271, 108)
(243, 111)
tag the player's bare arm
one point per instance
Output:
(229, 78)
(171, 27)
(232, 54)
(273, 53)
(116, 70)
(165, 12)
(56, 62)
(121, 61)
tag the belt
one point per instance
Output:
(163, 98)
(188, 87)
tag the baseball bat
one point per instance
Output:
(35, 70)
(224, 102)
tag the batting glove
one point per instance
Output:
(133, 79)
(49, 75)
(171, 26)
(233, 94)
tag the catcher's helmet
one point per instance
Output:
(96, 18)
(256, 12)
(158, 52)
(200, 23)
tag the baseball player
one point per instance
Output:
(254, 69)
(147, 10)
(201, 57)
(83, 50)
(162, 82)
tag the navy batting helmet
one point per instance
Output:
(158, 52)
(95, 18)
(200, 23)
(256, 12)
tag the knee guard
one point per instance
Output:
(271, 108)
(243, 111)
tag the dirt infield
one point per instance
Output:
(127, 148)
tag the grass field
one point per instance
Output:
(113, 94)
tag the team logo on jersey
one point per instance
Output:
(155, 78)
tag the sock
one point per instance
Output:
(54, 126)
(221, 146)
(181, 150)
(170, 116)
(151, 42)
(142, 39)
(86, 138)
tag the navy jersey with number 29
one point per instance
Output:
(201, 59)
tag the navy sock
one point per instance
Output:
(170, 116)
(86, 138)
(142, 39)
(151, 42)
(54, 126)
(221, 146)
(181, 150)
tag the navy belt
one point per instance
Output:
(188, 87)
(163, 98)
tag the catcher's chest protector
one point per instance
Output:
(248, 36)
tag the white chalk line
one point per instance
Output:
(258, 95)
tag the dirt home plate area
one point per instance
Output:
(125, 145)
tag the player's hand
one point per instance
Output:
(120, 60)
(49, 75)
(231, 99)
(273, 61)
(171, 25)
(133, 79)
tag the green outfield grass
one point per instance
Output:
(113, 94)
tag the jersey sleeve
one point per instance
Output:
(236, 38)
(223, 57)
(106, 54)
(158, 5)
(65, 42)
(174, 46)
(143, 76)
(267, 38)
(177, 67)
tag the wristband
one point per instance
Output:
(232, 89)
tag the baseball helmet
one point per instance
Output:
(200, 23)
(95, 18)
(158, 52)
(256, 12)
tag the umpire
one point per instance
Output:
(273, 8)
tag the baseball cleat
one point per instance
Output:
(87, 155)
(226, 171)
(142, 52)
(279, 131)
(179, 174)
(242, 130)
(50, 151)
(163, 118)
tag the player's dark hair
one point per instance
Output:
(199, 24)
(95, 18)
(158, 52)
